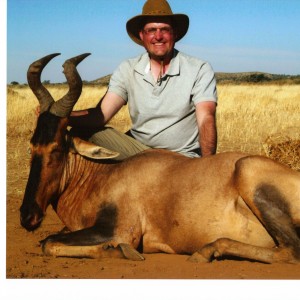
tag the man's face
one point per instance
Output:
(158, 37)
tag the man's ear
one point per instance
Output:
(141, 35)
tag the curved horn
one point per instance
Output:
(64, 106)
(34, 81)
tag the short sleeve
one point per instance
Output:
(205, 88)
(117, 83)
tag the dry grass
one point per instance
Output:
(284, 150)
(248, 117)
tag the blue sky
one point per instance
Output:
(233, 35)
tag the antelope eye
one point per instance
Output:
(55, 152)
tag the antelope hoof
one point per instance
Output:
(198, 258)
(131, 253)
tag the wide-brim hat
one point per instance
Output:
(157, 8)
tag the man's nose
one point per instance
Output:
(158, 34)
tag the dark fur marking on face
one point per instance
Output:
(32, 184)
(34, 175)
(29, 209)
(276, 216)
(46, 129)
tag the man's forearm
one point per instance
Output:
(208, 136)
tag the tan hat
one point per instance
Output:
(157, 8)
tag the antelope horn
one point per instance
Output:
(34, 82)
(64, 106)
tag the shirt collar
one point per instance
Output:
(174, 68)
(143, 65)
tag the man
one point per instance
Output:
(171, 96)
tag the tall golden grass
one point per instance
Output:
(248, 116)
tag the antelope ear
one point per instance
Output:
(91, 150)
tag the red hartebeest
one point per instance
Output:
(229, 204)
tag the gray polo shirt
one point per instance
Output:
(163, 114)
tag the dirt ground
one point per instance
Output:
(24, 258)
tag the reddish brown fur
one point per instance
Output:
(177, 204)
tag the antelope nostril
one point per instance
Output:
(31, 217)
(31, 222)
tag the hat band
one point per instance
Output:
(158, 12)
